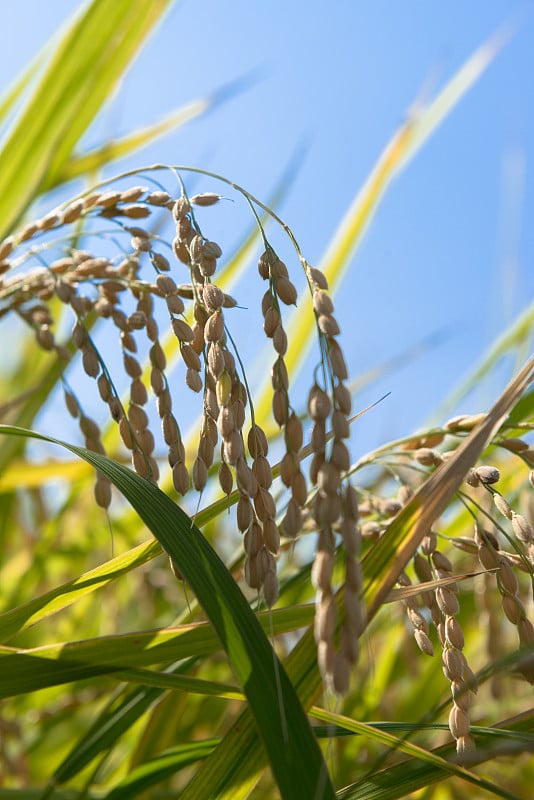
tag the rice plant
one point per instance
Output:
(207, 589)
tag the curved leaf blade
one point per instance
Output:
(86, 67)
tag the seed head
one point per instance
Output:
(294, 433)
(193, 380)
(180, 477)
(322, 303)
(271, 535)
(522, 528)
(503, 506)
(286, 291)
(212, 296)
(487, 474)
(214, 328)
(257, 442)
(319, 404)
(205, 199)
(182, 330)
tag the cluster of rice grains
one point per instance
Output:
(98, 287)
(440, 606)
(334, 508)
(114, 289)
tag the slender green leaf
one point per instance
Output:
(113, 722)
(51, 665)
(157, 769)
(86, 68)
(18, 619)
(510, 341)
(399, 781)
(91, 162)
(14, 93)
(419, 753)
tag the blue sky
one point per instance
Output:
(451, 247)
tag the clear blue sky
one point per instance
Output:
(452, 244)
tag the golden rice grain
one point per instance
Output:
(325, 618)
(423, 642)
(317, 277)
(522, 528)
(200, 474)
(212, 296)
(262, 471)
(126, 434)
(341, 673)
(205, 199)
(180, 477)
(503, 506)
(102, 491)
(193, 380)
(251, 573)
(214, 328)
(245, 513)
(6, 247)
(280, 409)
(292, 520)
(138, 392)
(253, 539)
(299, 490)
(264, 504)
(132, 194)
(137, 417)
(257, 442)
(319, 404)
(487, 474)
(322, 303)
(280, 340)
(458, 722)
(294, 434)
(270, 588)
(271, 535)
(90, 362)
(226, 479)
(206, 449)
(158, 198)
(182, 330)
(286, 291)
(271, 321)
(328, 325)
(337, 360)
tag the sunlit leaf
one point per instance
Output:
(84, 71)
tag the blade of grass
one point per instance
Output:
(85, 69)
(114, 721)
(36, 668)
(413, 750)
(15, 92)
(161, 767)
(89, 163)
(22, 617)
(400, 780)
(511, 340)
